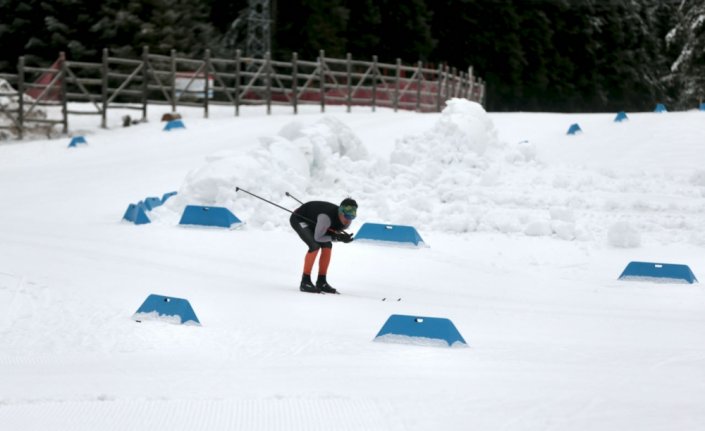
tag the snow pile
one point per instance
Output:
(424, 182)
(456, 177)
(461, 136)
(623, 235)
(287, 162)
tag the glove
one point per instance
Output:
(342, 237)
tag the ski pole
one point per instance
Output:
(238, 189)
(292, 196)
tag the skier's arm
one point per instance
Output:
(322, 225)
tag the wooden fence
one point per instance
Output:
(159, 79)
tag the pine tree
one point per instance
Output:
(686, 42)
(483, 34)
(181, 25)
(363, 33)
(308, 26)
(17, 39)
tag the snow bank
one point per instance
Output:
(457, 177)
(623, 235)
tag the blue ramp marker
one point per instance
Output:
(166, 196)
(659, 272)
(168, 309)
(660, 107)
(574, 128)
(426, 331)
(136, 214)
(77, 140)
(621, 116)
(152, 202)
(702, 106)
(174, 124)
(208, 216)
(390, 234)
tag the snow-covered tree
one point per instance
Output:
(686, 44)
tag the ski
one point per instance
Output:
(354, 295)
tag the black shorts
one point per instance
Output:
(305, 229)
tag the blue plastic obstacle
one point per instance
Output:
(664, 272)
(621, 116)
(174, 124)
(166, 196)
(390, 234)
(431, 331)
(77, 140)
(574, 128)
(208, 216)
(152, 202)
(702, 106)
(166, 308)
(660, 107)
(137, 214)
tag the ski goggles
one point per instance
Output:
(348, 211)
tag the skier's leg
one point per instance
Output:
(309, 261)
(305, 232)
(324, 261)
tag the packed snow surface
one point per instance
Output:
(527, 230)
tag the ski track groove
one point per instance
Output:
(271, 414)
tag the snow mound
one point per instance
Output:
(287, 162)
(462, 134)
(457, 176)
(623, 235)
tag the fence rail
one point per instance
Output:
(122, 83)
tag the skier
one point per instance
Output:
(319, 223)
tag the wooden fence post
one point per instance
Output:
(206, 86)
(418, 86)
(459, 84)
(471, 84)
(348, 67)
(104, 89)
(268, 80)
(64, 95)
(459, 90)
(451, 82)
(439, 88)
(375, 72)
(294, 82)
(173, 80)
(145, 81)
(322, 79)
(396, 85)
(237, 82)
(481, 97)
(447, 77)
(20, 93)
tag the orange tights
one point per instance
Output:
(323, 262)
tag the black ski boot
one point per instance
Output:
(323, 286)
(307, 285)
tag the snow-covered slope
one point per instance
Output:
(528, 231)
